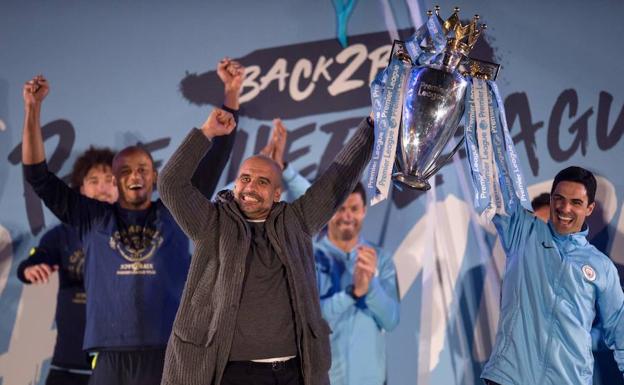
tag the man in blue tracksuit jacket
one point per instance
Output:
(358, 288)
(556, 284)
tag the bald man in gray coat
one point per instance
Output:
(251, 299)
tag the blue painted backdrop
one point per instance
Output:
(143, 71)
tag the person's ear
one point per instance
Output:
(590, 209)
(277, 195)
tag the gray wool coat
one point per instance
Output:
(202, 335)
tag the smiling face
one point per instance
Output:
(257, 187)
(136, 177)
(346, 223)
(569, 206)
(99, 184)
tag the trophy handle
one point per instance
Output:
(435, 167)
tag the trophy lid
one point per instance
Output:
(460, 38)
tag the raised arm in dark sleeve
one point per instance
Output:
(208, 172)
(330, 190)
(67, 204)
(190, 208)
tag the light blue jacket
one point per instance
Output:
(554, 287)
(358, 344)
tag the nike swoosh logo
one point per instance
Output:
(547, 246)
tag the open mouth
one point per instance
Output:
(249, 198)
(135, 187)
(564, 220)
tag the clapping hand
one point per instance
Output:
(277, 143)
(365, 268)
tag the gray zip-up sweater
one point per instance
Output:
(202, 335)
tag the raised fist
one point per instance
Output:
(219, 123)
(35, 90)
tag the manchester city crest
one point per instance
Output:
(589, 273)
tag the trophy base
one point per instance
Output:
(412, 181)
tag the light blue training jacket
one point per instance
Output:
(554, 287)
(358, 345)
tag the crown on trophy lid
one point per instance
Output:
(460, 38)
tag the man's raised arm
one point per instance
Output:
(67, 204)
(188, 205)
(328, 192)
(211, 167)
(34, 91)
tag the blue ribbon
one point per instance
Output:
(432, 36)
(377, 96)
(498, 142)
(511, 157)
(387, 103)
(496, 192)
(480, 187)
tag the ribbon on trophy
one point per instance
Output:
(510, 154)
(431, 34)
(387, 95)
(496, 176)
(387, 92)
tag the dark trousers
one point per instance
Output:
(256, 373)
(62, 377)
(136, 367)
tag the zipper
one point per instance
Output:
(551, 322)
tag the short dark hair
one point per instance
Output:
(359, 189)
(540, 201)
(578, 175)
(139, 148)
(89, 159)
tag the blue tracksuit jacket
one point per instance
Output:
(554, 287)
